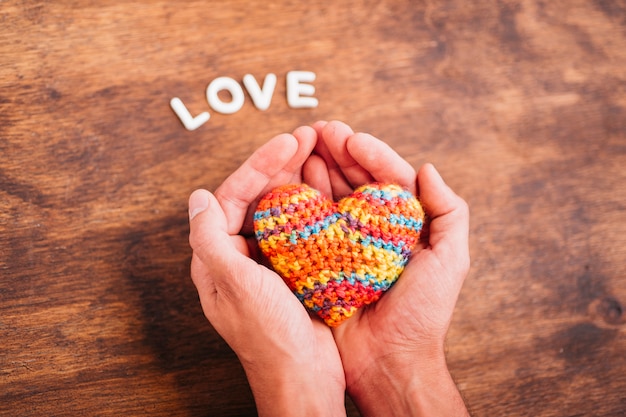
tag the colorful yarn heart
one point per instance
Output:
(338, 257)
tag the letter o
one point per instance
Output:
(235, 90)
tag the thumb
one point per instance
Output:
(207, 222)
(449, 217)
(209, 226)
(198, 202)
(219, 260)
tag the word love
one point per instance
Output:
(299, 95)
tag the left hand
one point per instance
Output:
(291, 360)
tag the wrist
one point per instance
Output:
(296, 391)
(409, 384)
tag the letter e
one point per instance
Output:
(298, 93)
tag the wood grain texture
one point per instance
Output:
(521, 104)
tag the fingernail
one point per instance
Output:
(198, 202)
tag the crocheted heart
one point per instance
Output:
(338, 257)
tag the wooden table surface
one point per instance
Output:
(520, 104)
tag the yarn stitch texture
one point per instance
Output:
(338, 257)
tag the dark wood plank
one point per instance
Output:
(520, 104)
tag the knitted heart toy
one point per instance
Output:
(338, 257)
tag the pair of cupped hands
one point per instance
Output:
(389, 356)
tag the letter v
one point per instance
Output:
(260, 97)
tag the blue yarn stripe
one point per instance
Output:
(409, 222)
(398, 248)
(317, 227)
(387, 195)
(258, 215)
(306, 231)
